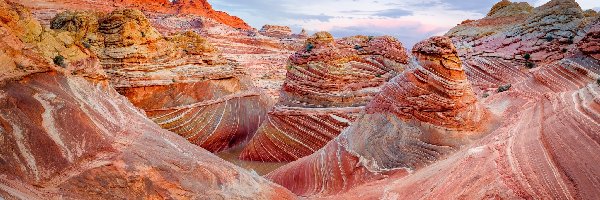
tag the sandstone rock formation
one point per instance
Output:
(544, 149)
(262, 57)
(276, 31)
(66, 137)
(538, 149)
(180, 81)
(499, 48)
(590, 44)
(180, 7)
(327, 85)
(418, 118)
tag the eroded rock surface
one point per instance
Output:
(547, 124)
(328, 84)
(180, 81)
(420, 117)
(69, 135)
(516, 38)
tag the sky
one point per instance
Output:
(408, 20)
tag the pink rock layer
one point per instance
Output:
(420, 117)
(545, 148)
(515, 39)
(68, 136)
(327, 85)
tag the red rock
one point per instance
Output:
(327, 85)
(66, 137)
(420, 117)
(590, 44)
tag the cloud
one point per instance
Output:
(408, 20)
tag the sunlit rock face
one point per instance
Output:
(420, 117)
(327, 85)
(66, 134)
(180, 7)
(261, 56)
(180, 81)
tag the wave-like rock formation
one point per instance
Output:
(180, 81)
(68, 136)
(545, 148)
(327, 85)
(541, 146)
(418, 118)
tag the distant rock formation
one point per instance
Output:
(514, 38)
(327, 85)
(421, 116)
(68, 135)
(181, 81)
(276, 31)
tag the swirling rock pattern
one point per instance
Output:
(65, 137)
(418, 118)
(539, 147)
(180, 81)
(327, 85)
(545, 148)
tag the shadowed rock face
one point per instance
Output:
(328, 83)
(180, 81)
(590, 44)
(418, 118)
(74, 137)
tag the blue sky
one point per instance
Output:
(408, 20)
